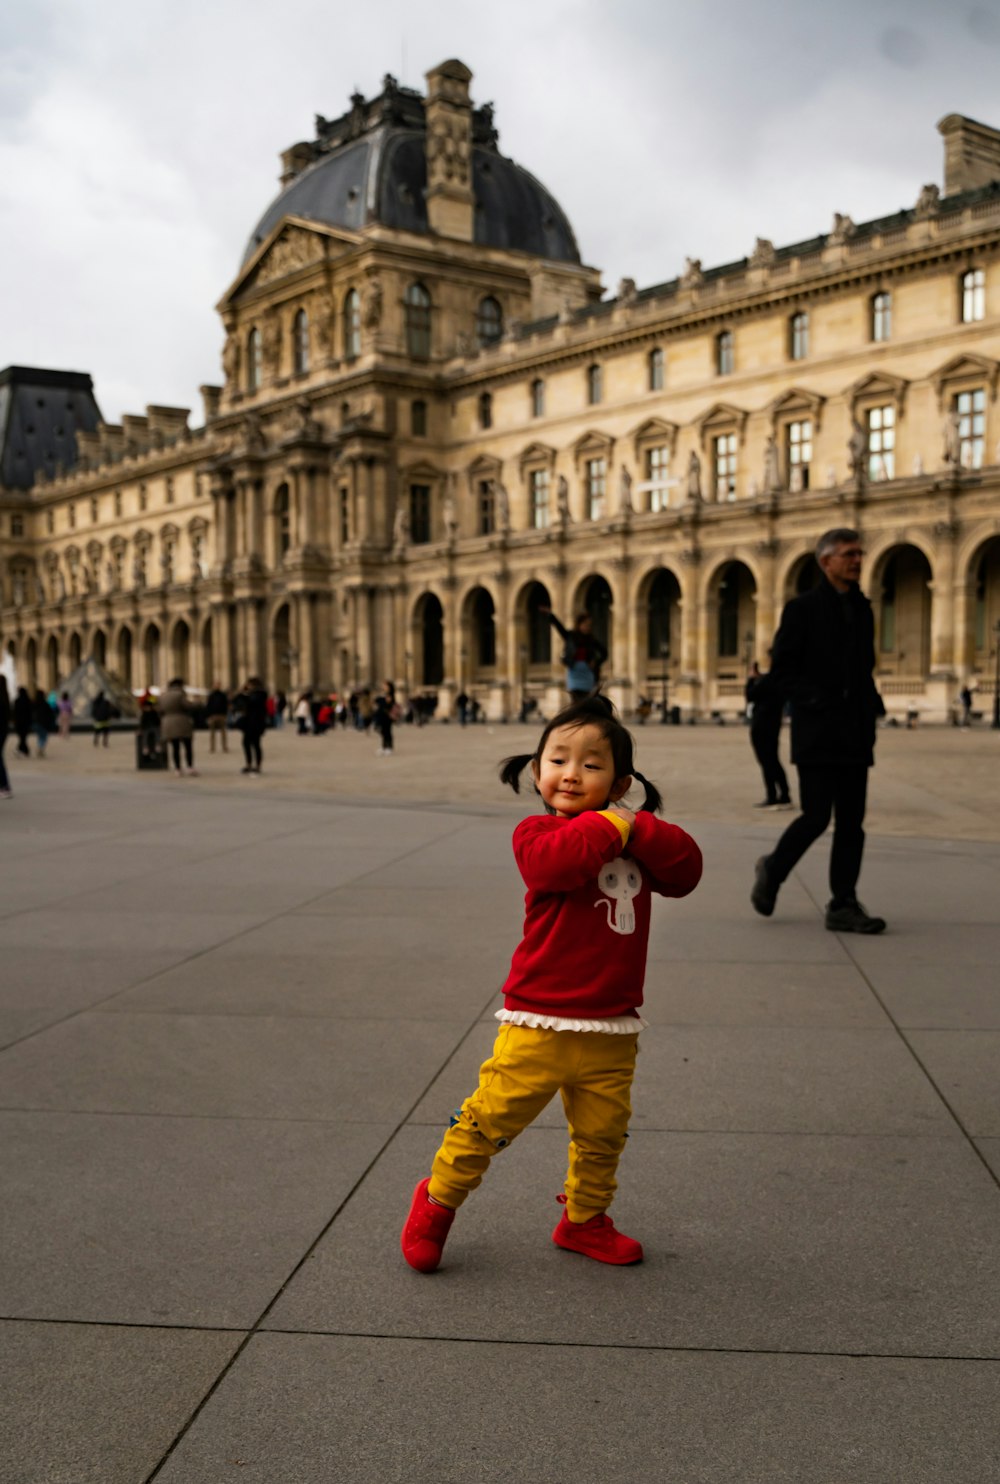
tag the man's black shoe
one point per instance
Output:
(852, 918)
(765, 891)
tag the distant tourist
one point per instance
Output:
(252, 706)
(5, 716)
(382, 719)
(149, 724)
(965, 698)
(64, 707)
(43, 721)
(22, 720)
(303, 713)
(100, 716)
(462, 704)
(177, 725)
(216, 715)
(583, 654)
(766, 708)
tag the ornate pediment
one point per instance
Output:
(539, 454)
(966, 369)
(593, 445)
(879, 385)
(653, 432)
(483, 467)
(722, 417)
(293, 245)
(797, 400)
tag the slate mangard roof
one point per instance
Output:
(40, 414)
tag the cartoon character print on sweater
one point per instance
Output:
(621, 880)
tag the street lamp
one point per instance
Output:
(996, 678)
(664, 657)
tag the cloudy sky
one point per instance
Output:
(139, 139)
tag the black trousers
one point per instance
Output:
(842, 792)
(176, 743)
(251, 748)
(765, 746)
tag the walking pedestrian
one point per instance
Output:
(766, 709)
(462, 703)
(253, 722)
(5, 718)
(22, 720)
(965, 697)
(43, 721)
(149, 724)
(217, 716)
(100, 715)
(382, 720)
(64, 708)
(570, 1020)
(583, 654)
(824, 655)
(303, 713)
(177, 725)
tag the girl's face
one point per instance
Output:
(577, 772)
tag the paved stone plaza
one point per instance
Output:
(236, 1013)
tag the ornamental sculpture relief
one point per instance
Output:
(295, 249)
(447, 153)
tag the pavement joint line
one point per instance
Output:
(767, 1351)
(310, 1249)
(223, 942)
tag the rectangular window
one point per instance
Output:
(484, 512)
(971, 409)
(596, 488)
(595, 385)
(799, 336)
(724, 355)
(420, 514)
(656, 370)
(973, 295)
(799, 450)
(345, 515)
(882, 317)
(538, 482)
(17, 525)
(538, 398)
(657, 475)
(881, 443)
(724, 450)
(418, 419)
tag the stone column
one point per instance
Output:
(768, 605)
(944, 594)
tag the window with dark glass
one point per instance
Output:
(489, 321)
(595, 385)
(881, 443)
(254, 360)
(485, 505)
(538, 398)
(724, 359)
(798, 336)
(17, 525)
(798, 447)
(300, 342)
(882, 317)
(417, 305)
(486, 410)
(971, 410)
(94, 512)
(352, 325)
(724, 461)
(418, 419)
(283, 519)
(887, 610)
(973, 295)
(345, 515)
(596, 487)
(484, 618)
(729, 613)
(420, 514)
(539, 483)
(655, 367)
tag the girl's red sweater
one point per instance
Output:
(586, 919)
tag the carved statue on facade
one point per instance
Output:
(306, 423)
(60, 584)
(449, 509)
(928, 202)
(501, 506)
(111, 575)
(842, 229)
(562, 500)
(372, 314)
(624, 491)
(763, 253)
(626, 290)
(772, 470)
(692, 275)
(253, 436)
(231, 360)
(694, 476)
(271, 342)
(401, 527)
(953, 438)
(857, 450)
(138, 571)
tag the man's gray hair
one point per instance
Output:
(830, 540)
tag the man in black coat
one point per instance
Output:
(824, 655)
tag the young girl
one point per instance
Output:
(571, 1000)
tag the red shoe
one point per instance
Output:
(596, 1238)
(426, 1230)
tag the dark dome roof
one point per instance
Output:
(371, 166)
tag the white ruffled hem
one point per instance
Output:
(615, 1025)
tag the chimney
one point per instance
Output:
(450, 203)
(971, 153)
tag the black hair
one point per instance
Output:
(592, 711)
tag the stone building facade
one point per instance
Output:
(433, 426)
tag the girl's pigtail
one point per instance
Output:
(652, 803)
(511, 769)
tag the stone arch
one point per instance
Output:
(658, 629)
(52, 662)
(731, 621)
(99, 647)
(900, 590)
(152, 662)
(479, 633)
(75, 651)
(31, 663)
(282, 651)
(533, 631)
(801, 575)
(595, 595)
(180, 650)
(982, 637)
(427, 639)
(123, 654)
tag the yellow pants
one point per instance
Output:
(593, 1071)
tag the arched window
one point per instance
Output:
(595, 385)
(254, 360)
(798, 336)
(655, 364)
(486, 410)
(724, 353)
(300, 342)
(282, 520)
(418, 322)
(489, 321)
(881, 316)
(352, 326)
(538, 398)
(973, 303)
(484, 629)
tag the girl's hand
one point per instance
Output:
(623, 813)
